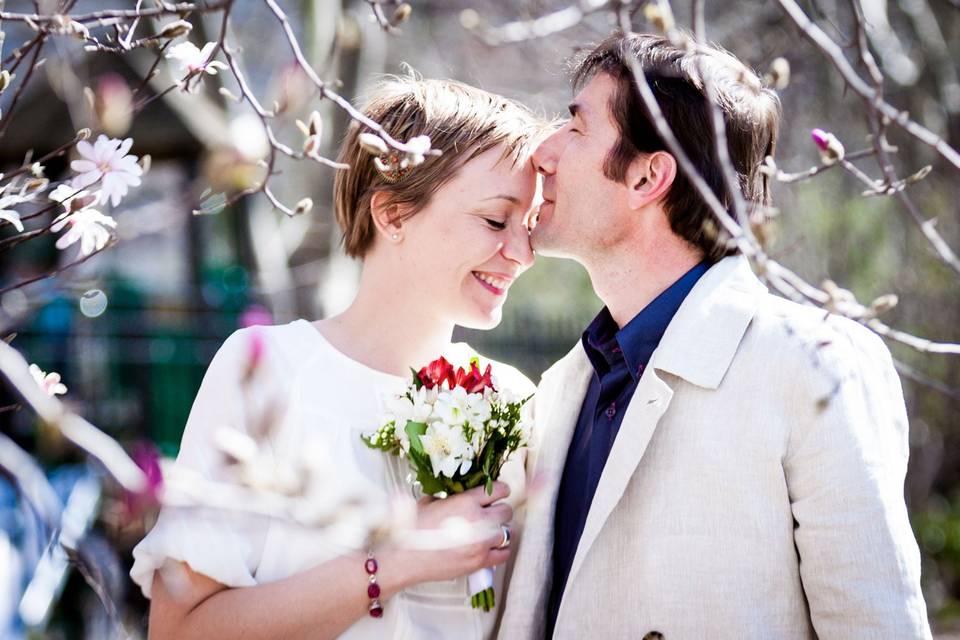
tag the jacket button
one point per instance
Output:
(653, 635)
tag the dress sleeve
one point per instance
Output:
(223, 546)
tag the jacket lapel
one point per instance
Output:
(556, 411)
(698, 346)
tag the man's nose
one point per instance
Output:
(545, 156)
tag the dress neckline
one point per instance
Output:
(455, 349)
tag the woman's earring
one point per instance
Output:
(395, 236)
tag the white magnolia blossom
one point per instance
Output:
(192, 60)
(448, 449)
(9, 215)
(72, 198)
(419, 147)
(49, 382)
(107, 161)
(89, 226)
(26, 194)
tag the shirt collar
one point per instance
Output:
(607, 345)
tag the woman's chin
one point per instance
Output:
(483, 320)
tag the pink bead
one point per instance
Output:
(376, 612)
(371, 566)
(373, 591)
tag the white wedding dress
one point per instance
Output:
(330, 401)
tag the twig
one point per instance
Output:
(8, 115)
(164, 9)
(835, 54)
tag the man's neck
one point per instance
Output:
(630, 278)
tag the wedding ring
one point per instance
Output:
(506, 537)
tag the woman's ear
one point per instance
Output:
(386, 216)
(650, 177)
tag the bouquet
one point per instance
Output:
(456, 429)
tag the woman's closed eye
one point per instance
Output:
(499, 225)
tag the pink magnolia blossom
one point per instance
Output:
(49, 382)
(147, 457)
(830, 146)
(107, 161)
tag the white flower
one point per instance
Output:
(9, 215)
(107, 160)
(417, 408)
(193, 60)
(49, 382)
(89, 226)
(457, 407)
(419, 147)
(477, 410)
(27, 193)
(448, 449)
(71, 198)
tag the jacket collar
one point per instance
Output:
(703, 337)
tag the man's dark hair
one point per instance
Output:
(750, 111)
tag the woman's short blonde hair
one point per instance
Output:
(462, 121)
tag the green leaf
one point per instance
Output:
(414, 431)
(489, 486)
(430, 484)
(416, 378)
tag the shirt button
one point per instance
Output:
(611, 411)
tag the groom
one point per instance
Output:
(718, 462)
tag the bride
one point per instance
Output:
(440, 243)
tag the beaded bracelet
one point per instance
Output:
(373, 589)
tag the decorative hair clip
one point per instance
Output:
(391, 166)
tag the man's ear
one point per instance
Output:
(387, 217)
(650, 177)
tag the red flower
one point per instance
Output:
(474, 381)
(436, 372)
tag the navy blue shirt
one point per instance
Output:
(618, 357)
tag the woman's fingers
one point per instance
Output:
(499, 513)
(500, 491)
(496, 556)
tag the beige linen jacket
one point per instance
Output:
(754, 489)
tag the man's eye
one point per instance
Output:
(496, 224)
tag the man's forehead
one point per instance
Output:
(592, 99)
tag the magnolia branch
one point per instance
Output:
(834, 53)
(164, 9)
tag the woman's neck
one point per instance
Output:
(386, 328)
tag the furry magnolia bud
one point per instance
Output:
(779, 75)
(176, 29)
(372, 143)
(831, 149)
(883, 304)
(401, 14)
(5, 79)
(304, 206)
(660, 16)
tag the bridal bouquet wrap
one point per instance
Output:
(456, 428)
